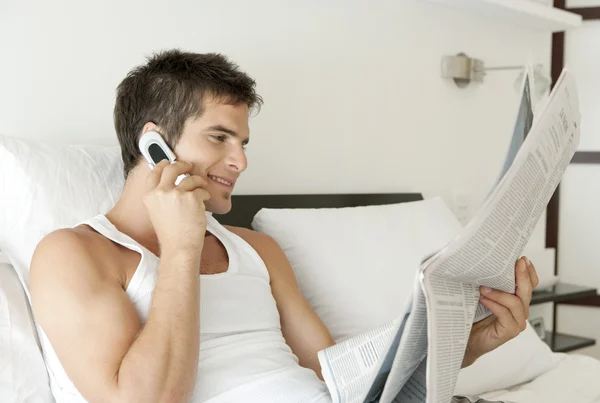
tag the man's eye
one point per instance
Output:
(220, 138)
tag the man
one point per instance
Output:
(125, 315)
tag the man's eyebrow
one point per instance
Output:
(221, 128)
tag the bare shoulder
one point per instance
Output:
(57, 251)
(260, 241)
(64, 260)
(269, 251)
(61, 250)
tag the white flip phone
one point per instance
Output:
(154, 149)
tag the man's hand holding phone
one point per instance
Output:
(177, 212)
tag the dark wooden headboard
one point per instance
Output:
(246, 206)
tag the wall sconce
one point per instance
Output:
(464, 69)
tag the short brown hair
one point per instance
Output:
(169, 89)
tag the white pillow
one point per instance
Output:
(515, 362)
(49, 187)
(23, 376)
(357, 265)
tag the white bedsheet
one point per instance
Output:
(575, 380)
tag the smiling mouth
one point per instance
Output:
(219, 180)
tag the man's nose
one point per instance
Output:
(237, 160)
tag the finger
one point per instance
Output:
(511, 302)
(524, 284)
(201, 194)
(504, 316)
(153, 178)
(191, 182)
(171, 172)
(535, 280)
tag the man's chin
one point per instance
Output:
(223, 207)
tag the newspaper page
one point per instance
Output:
(412, 349)
(486, 252)
(359, 369)
(451, 308)
(351, 368)
(523, 123)
(381, 375)
(415, 389)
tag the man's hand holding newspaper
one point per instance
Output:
(510, 313)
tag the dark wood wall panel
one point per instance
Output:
(588, 13)
(581, 157)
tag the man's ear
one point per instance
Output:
(151, 126)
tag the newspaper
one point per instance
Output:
(523, 123)
(417, 357)
(523, 120)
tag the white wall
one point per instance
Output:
(354, 98)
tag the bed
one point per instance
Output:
(573, 379)
(326, 238)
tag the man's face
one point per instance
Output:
(214, 143)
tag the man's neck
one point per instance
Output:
(130, 216)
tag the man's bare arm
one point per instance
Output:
(96, 332)
(92, 324)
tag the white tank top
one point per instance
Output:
(243, 355)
